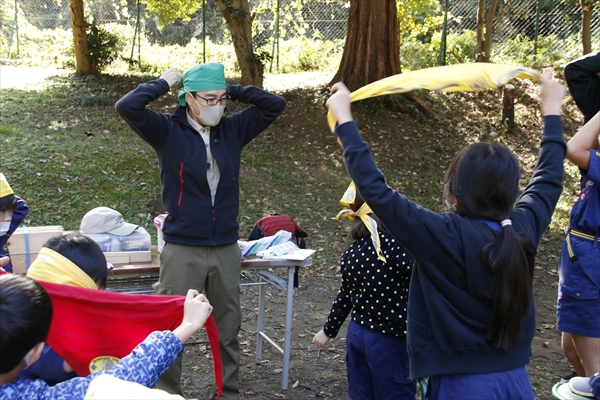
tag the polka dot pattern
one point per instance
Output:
(376, 293)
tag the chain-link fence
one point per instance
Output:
(557, 22)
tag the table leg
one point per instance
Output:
(288, 327)
(261, 320)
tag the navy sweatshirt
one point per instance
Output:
(451, 290)
(182, 159)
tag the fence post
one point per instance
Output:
(14, 31)
(442, 54)
(204, 31)
(537, 29)
(135, 34)
(276, 40)
(139, 31)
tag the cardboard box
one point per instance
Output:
(26, 242)
(128, 257)
(140, 242)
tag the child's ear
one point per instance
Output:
(37, 352)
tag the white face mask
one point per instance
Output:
(4, 227)
(209, 116)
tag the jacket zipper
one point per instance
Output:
(180, 184)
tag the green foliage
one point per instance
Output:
(550, 51)
(103, 46)
(418, 18)
(302, 54)
(169, 11)
(417, 55)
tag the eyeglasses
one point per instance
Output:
(213, 102)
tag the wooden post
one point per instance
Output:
(508, 107)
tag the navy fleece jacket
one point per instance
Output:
(181, 152)
(451, 291)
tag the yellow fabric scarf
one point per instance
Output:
(468, 77)
(49, 266)
(363, 213)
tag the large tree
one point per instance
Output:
(587, 8)
(372, 44)
(239, 21)
(83, 63)
(485, 30)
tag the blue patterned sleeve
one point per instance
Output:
(144, 365)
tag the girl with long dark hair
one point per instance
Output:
(471, 317)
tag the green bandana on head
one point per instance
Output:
(201, 77)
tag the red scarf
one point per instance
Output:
(90, 323)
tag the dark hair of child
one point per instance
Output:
(8, 203)
(83, 252)
(358, 229)
(484, 178)
(25, 318)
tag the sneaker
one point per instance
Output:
(567, 378)
(581, 386)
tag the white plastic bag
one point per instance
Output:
(254, 246)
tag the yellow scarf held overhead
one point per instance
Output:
(468, 77)
(363, 212)
(49, 266)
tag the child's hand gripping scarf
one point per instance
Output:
(363, 212)
(50, 266)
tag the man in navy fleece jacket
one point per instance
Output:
(199, 154)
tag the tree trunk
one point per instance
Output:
(485, 30)
(239, 21)
(83, 64)
(587, 8)
(508, 107)
(372, 49)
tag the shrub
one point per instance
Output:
(103, 46)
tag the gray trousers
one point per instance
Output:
(216, 272)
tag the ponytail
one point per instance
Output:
(484, 180)
(510, 257)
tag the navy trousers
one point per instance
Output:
(377, 365)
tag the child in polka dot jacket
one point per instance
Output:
(376, 272)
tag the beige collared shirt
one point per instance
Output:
(212, 169)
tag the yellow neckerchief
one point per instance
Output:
(469, 77)
(363, 213)
(49, 266)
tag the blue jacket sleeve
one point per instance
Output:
(584, 83)
(408, 222)
(537, 202)
(266, 107)
(150, 125)
(18, 215)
